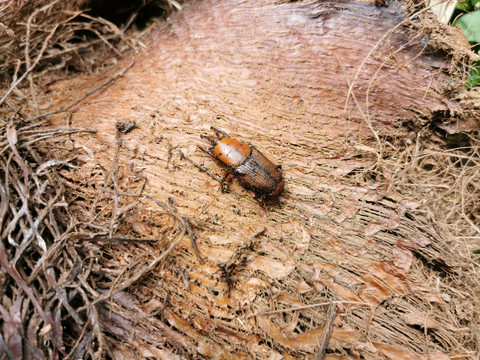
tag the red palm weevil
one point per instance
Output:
(253, 170)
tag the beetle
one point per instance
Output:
(253, 169)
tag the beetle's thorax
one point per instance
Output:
(232, 152)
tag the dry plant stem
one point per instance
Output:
(183, 221)
(77, 343)
(193, 239)
(62, 295)
(327, 332)
(93, 319)
(309, 307)
(146, 269)
(28, 61)
(46, 134)
(16, 195)
(117, 32)
(114, 173)
(24, 286)
(118, 145)
(33, 93)
(84, 96)
(52, 251)
(121, 240)
(77, 47)
(106, 42)
(365, 117)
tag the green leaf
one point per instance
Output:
(464, 5)
(470, 24)
(474, 77)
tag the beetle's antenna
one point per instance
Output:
(218, 131)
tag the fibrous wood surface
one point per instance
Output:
(312, 85)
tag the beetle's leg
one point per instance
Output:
(209, 151)
(210, 139)
(258, 197)
(225, 178)
(226, 175)
(218, 131)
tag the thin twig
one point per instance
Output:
(327, 332)
(365, 117)
(118, 145)
(129, 240)
(309, 307)
(149, 267)
(200, 167)
(146, 269)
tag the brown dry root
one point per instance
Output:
(47, 292)
(43, 35)
(38, 262)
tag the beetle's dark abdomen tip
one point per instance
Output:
(279, 189)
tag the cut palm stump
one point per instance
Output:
(318, 86)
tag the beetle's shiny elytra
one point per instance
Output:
(253, 169)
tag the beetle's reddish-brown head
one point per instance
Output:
(219, 135)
